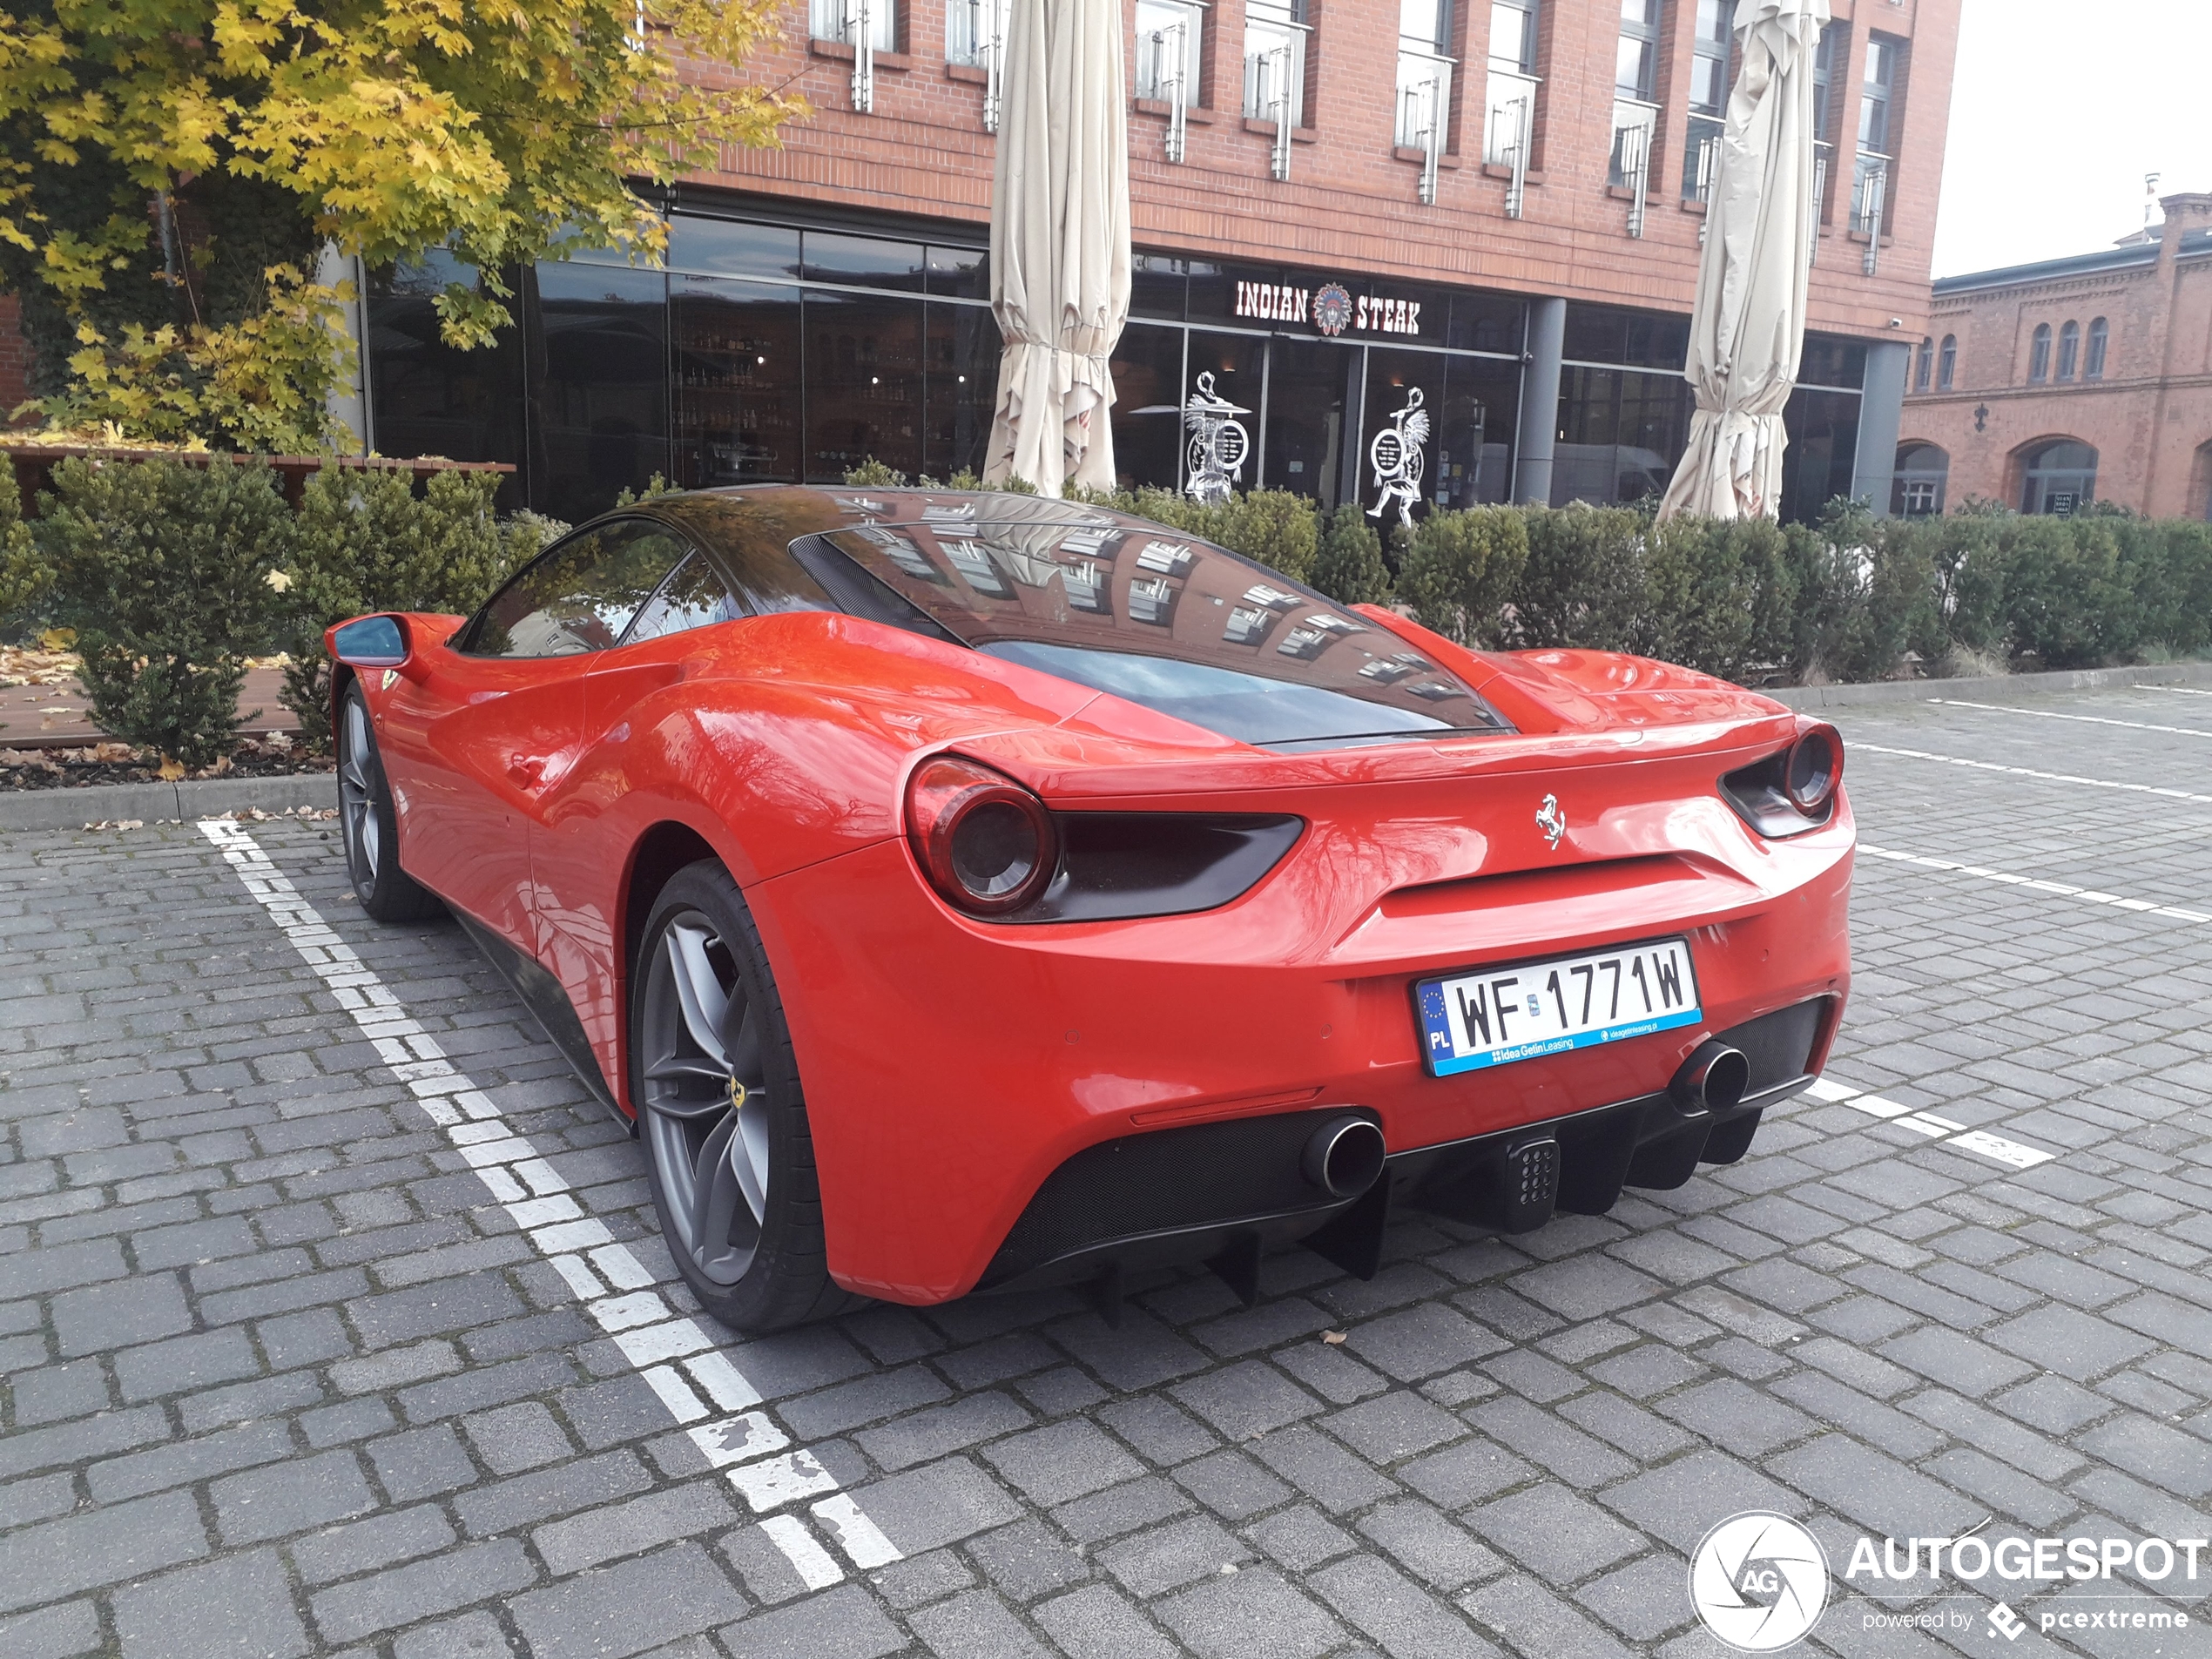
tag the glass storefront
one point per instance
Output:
(769, 352)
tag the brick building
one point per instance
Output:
(2047, 385)
(1505, 196)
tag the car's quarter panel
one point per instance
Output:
(947, 1055)
(779, 740)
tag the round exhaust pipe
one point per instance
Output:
(1344, 1156)
(1713, 1079)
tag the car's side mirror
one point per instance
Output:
(370, 642)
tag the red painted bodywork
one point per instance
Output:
(949, 1063)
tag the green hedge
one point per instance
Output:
(173, 573)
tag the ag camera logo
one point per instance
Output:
(1759, 1582)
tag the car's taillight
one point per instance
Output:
(1815, 767)
(987, 845)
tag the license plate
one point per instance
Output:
(1492, 1016)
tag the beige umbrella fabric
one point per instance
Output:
(1060, 254)
(1748, 328)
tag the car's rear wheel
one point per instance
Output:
(716, 1084)
(367, 825)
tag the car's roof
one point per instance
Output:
(1121, 603)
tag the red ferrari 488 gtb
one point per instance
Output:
(968, 892)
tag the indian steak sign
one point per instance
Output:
(1331, 309)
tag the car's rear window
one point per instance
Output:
(1158, 618)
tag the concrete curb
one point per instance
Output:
(2078, 679)
(42, 809)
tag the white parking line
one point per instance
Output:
(2017, 1154)
(2029, 771)
(2054, 714)
(2178, 690)
(2087, 896)
(677, 1359)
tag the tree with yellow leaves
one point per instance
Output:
(170, 169)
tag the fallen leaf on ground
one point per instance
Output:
(116, 751)
(170, 770)
(57, 638)
(1333, 1338)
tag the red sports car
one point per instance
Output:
(968, 892)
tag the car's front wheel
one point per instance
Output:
(716, 1085)
(367, 825)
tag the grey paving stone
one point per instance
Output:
(1427, 1544)
(922, 1436)
(1553, 1532)
(1397, 1424)
(1170, 1557)
(1421, 1342)
(421, 1462)
(975, 1625)
(1027, 1559)
(379, 1541)
(1535, 1623)
(1246, 1613)
(1642, 1601)
(53, 1392)
(940, 1504)
(59, 1632)
(1550, 1444)
(1465, 1474)
(646, 1522)
(1095, 1623)
(290, 1497)
(1875, 1490)
(1744, 1421)
(1403, 1618)
(1246, 1399)
(518, 1437)
(1121, 1509)
(1298, 1538)
(107, 1317)
(422, 1589)
(1061, 1462)
(473, 1635)
(840, 1623)
(100, 1547)
(237, 1608)
(627, 1608)
(1232, 1485)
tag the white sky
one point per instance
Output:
(2059, 108)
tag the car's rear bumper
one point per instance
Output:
(951, 1069)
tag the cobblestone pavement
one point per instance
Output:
(285, 1375)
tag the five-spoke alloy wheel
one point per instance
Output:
(717, 1088)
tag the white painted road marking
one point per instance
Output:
(2087, 896)
(616, 1290)
(2029, 771)
(2055, 714)
(2017, 1154)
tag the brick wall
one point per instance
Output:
(1352, 202)
(14, 357)
(2149, 418)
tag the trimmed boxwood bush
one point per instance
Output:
(163, 568)
(365, 541)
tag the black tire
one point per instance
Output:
(719, 1109)
(368, 827)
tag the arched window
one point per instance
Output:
(1924, 370)
(2069, 350)
(2093, 368)
(2039, 355)
(1947, 363)
(2062, 477)
(1923, 473)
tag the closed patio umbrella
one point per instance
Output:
(1059, 255)
(1749, 325)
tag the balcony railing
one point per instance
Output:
(867, 26)
(1509, 126)
(1275, 83)
(1168, 33)
(1822, 155)
(1424, 110)
(1870, 194)
(1634, 122)
(976, 35)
